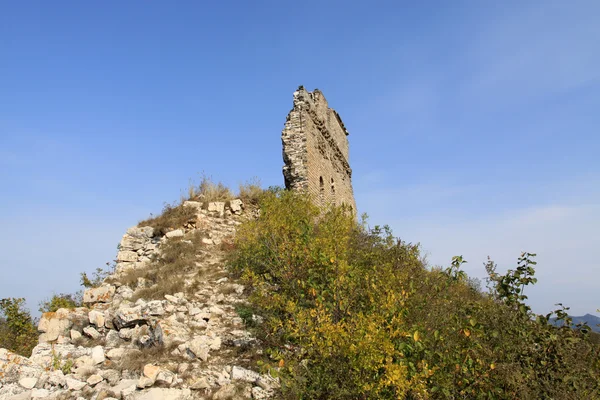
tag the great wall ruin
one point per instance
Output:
(316, 151)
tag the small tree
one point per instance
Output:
(97, 277)
(17, 329)
(61, 300)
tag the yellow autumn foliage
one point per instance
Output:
(354, 313)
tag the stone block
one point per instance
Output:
(102, 294)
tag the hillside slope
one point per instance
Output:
(163, 325)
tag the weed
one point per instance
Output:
(61, 301)
(59, 365)
(136, 359)
(246, 313)
(208, 191)
(173, 216)
(98, 276)
(167, 270)
(251, 192)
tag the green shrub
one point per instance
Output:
(60, 301)
(58, 364)
(96, 279)
(353, 313)
(18, 332)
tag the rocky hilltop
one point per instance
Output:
(166, 323)
(151, 331)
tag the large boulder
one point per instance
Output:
(127, 256)
(243, 374)
(14, 367)
(236, 206)
(44, 354)
(141, 232)
(174, 234)
(216, 207)
(59, 323)
(128, 317)
(102, 294)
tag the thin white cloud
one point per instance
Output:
(564, 236)
(537, 50)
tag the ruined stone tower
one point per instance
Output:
(315, 150)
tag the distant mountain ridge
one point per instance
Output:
(592, 321)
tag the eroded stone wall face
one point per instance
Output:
(315, 151)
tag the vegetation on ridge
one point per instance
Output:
(167, 270)
(353, 313)
(18, 332)
(349, 312)
(177, 215)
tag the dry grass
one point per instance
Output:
(167, 270)
(227, 244)
(175, 215)
(87, 341)
(172, 217)
(167, 285)
(129, 277)
(251, 191)
(207, 191)
(136, 359)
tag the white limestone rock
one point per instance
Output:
(115, 354)
(98, 355)
(194, 204)
(102, 294)
(28, 382)
(153, 308)
(55, 324)
(14, 367)
(94, 379)
(125, 292)
(174, 234)
(236, 206)
(75, 334)
(141, 232)
(243, 374)
(57, 378)
(74, 384)
(112, 339)
(127, 256)
(144, 382)
(217, 207)
(91, 332)
(201, 383)
(96, 318)
(127, 317)
(165, 377)
(171, 299)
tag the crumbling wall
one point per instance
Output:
(315, 150)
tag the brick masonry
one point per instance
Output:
(315, 151)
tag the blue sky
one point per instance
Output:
(473, 125)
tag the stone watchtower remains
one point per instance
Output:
(315, 151)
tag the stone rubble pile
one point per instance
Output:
(186, 345)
